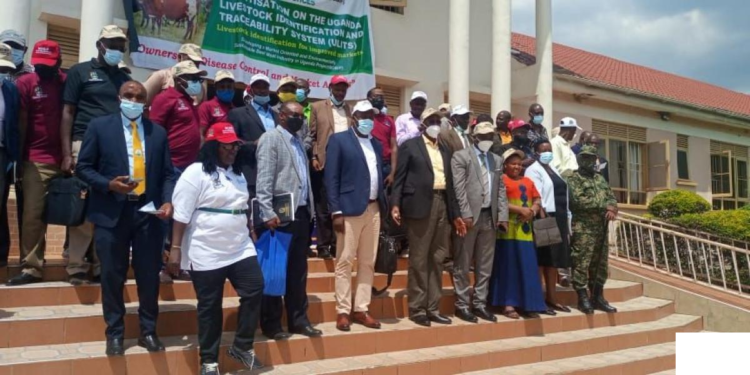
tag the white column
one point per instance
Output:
(501, 57)
(458, 54)
(16, 15)
(95, 14)
(544, 59)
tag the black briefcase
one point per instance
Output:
(387, 259)
(67, 199)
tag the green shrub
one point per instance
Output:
(734, 224)
(744, 208)
(676, 203)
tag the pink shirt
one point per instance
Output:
(407, 127)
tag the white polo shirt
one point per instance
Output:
(212, 240)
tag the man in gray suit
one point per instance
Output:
(283, 169)
(480, 191)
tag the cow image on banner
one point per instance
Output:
(310, 39)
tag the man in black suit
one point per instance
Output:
(423, 193)
(125, 159)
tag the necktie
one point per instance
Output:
(485, 178)
(139, 161)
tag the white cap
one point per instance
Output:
(222, 75)
(259, 77)
(460, 110)
(418, 95)
(569, 122)
(364, 106)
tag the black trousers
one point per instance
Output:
(295, 299)
(323, 221)
(4, 227)
(144, 233)
(247, 279)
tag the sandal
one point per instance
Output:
(558, 307)
(550, 311)
(511, 314)
(531, 315)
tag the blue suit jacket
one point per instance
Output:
(10, 124)
(104, 156)
(347, 177)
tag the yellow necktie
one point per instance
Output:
(139, 161)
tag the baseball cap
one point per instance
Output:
(364, 106)
(460, 110)
(45, 52)
(429, 112)
(187, 67)
(6, 58)
(569, 122)
(12, 36)
(222, 75)
(192, 51)
(512, 151)
(112, 32)
(445, 106)
(335, 80)
(222, 132)
(259, 77)
(418, 95)
(515, 124)
(287, 81)
(484, 128)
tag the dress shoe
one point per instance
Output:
(324, 253)
(366, 320)
(78, 279)
(598, 302)
(308, 331)
(247, 357)
(96, 279)
(151, 343)
(278, 336)
(440, 319)
(184, 276)
(485, 314)
(210, 369)
(343, 323)
(165, 277)
(422, 320)
(466, 315)
(22, 279)
(115, 347)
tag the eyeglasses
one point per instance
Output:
(230, 146)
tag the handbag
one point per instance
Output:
(386, 260)
(66, 203)
(273, 252)
(546, 232)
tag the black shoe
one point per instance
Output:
(310, 253)
(78, 279)
(247, 357)
(440, 319)
(466, 315)
(584, 304)
(598, 302)
(210, 369)
(115, 347)
(151, 343)
(278, 336)
(22, 279)
(96, 279)
(484, 313)
(422, 320)
(308, 331)
(324, 253)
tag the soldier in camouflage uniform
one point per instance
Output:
(592, 204)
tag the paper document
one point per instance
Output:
(149, 208)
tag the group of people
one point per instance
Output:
(169, 167)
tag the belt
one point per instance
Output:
(486, 209)
(222, 211)
(136, 198)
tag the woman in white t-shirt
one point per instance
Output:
(212, 241)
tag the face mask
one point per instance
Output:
(294, 124)
(225, 96)
(462, 123)
(538, 119)
(193, 88)
(433, 131)
(484, 146)
(384, 110)
(112, 57)
(587, 166)
(378, 103)
(336, 102)
(287, 97)
(261, 100)
(18, 57)
(300, 95)
(546, 157)
(131, 110)
(365, 126)
(3, 77)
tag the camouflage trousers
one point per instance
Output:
(590, 256)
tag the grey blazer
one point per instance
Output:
(467, 182)
(278, 174)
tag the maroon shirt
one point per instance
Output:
(383, 131)
(211, 112)
(176, 113)
(43, 104)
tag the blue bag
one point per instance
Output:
(273, 252)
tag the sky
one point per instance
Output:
(707, 40)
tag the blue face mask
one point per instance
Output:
(538, 119)
(301, 95)
(18, 56)
(3, 77)
(365, 126)
(193, 88)
(225, 96)
(112, 57)
(545, 157)
(261, 100)
(131, 110)
(336, 102)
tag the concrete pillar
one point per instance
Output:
(501, 57)
(458, 54)
(95, 14)
(544, 59)
(15, 14)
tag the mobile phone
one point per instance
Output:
(134, 180)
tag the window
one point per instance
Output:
(392, 99)
(393, 6)
(625, 148)
(683, 172)
(729, 176)
(69, 41)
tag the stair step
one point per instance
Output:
(49, 325)
(632, 361)
(668, 372)
(633, 326)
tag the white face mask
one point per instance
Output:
(433, 131)
(484, 146)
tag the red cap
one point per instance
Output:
(335, 80)
(223, 132)
(45, 52)
(515, 124)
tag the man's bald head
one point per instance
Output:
(133, 91)
(584, 137)
(291, 108)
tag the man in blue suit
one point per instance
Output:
(354, 184)
(125, 160)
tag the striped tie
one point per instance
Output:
(139, 161)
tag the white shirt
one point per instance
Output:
(564, 159)
(212, 240)
(129, 139)
(462, 137)
(340, 121)
(372, 164)
(543, 183)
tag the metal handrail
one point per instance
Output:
(715, 237)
